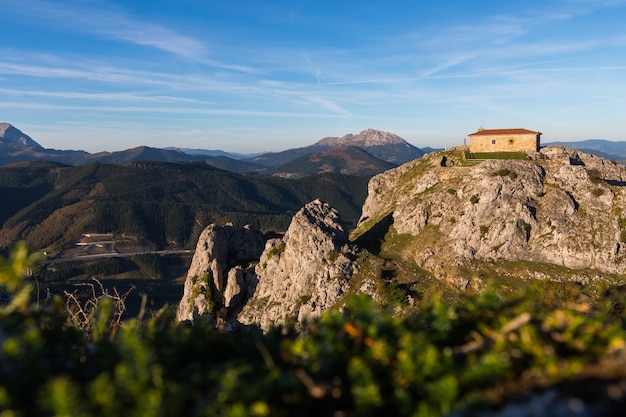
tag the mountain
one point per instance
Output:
(340, 159)
(51, 205)
(15, 146)
(600, 147)
(146, 153)
(383, 145)
(428, 149)
(426, 227)
(234, 165)
(141, 153)
(564, 209)
(214, 152)
(10, 137)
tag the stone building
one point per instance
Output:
(504, 140)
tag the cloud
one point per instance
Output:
(329, 105)
(109, 22)
(164, 110)
(117, 97)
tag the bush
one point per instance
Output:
(276, 250)
(503, 172)
(362, 360)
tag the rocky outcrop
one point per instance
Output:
(295, 277)
(367, 138)
(305, 272)
(561, 206)
(219, 274)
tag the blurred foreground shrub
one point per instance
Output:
(357, 361)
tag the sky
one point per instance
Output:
(254, 76)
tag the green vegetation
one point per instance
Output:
(150, 264)
(597, 192)
(594, 176)
(210, 293)
(169, 204)
(340, 160)
(622, 227)
(498, 155)
(276, 250)
(361, 361)
(474, 199)
(507, 173)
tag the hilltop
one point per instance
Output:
(560, 207)
(10, 137)
(382, 145)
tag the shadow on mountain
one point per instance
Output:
(373, 239)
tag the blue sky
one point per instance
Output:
(251, 76)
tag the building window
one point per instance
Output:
(493, 141)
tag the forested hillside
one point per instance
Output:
(50, 205)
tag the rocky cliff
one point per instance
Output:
(558, 214)
(305, 272)
(289, 278)
(561, 207)
(220, 276)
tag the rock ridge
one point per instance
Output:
(562, 207)
(366, 138)
(13, 137)
(305, 272)
(220, 274)
(237, 274)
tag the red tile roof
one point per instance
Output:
(518, 131)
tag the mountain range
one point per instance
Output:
(367, 153)
(606, 149)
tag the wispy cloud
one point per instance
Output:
(164, 110)
(118, 97)
(109, 22)
(328, 105)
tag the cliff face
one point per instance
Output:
(564, 207)
(305, 272)
(219, 275)
(297, 276)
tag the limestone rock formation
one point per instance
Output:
(367, 138)
(305, 272)
(219, 266)
(383, 145)
(561, 206)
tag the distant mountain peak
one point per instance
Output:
(367, 138)
(11, 136)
